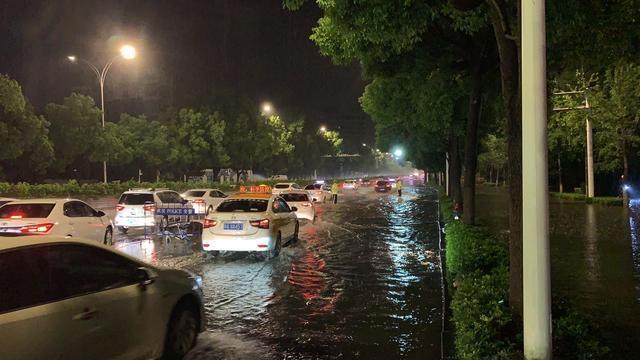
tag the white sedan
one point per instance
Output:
(282, 187)
(62, 217)
(77, 299)
(204, 201)
(302, 202)
(250, 222)
(319, 192)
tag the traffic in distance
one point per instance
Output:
(81, 288)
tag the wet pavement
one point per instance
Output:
(364, 281)
(595, 262)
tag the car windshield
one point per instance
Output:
(293, 197)
(282, 186)
(25, 211)
(135, 199)
(194, 193)
(243, 205)
(310, 187)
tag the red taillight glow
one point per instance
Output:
(198, 201)
(119, 207)
(36, 229)
(263, 246)
(262, 224)
(149, 207)
(208, 223)
(17, 216)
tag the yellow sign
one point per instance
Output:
(261, 189)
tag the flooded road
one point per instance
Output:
(595, 261)
(364, 281)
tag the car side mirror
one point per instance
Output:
(293, 208)
(100, 213)
(145, 277)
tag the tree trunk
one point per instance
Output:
(455, 170)
(497, 177)
(471, 148)
(560, 187)
(510, 77)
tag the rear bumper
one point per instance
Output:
(256, 242)
(132, 222)
(306, 213)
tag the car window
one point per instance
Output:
(295, 186)
(295, 197)
(195, 193)
(310, 187)
(135, 199)
(215, 194)
(86, 210)
(71, 209)
(174, 197)
(2, 202)
(163, 197)
(26, 210)
(82, 269)
(280, 206)
(282, 186)
(24, 279)
(243, 205)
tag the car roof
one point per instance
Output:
(285, 183)
(250, 196)
(296, 191)
(211, 189)
(8, 243)
(43, 200)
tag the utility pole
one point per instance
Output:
(446, 170)
(589, 181)
(535, 193)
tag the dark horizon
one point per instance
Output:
(193, 51)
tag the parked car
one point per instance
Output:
(250, 222)
(300, 200)
(61, 217)
(278, 177)
(318, 192)
(136, 208)
(76, 299)
(382, 186)
(204, 201)
(282, 187)
(350, 185)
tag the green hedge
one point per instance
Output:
(477, 276)
(602, 200)
(73, 188)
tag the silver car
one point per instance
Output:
(76, 299)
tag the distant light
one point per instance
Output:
(626, 187)
(363, 144)
(267, 108)
(323, 128)
(128, 52)
(398, 153)
(71, 58)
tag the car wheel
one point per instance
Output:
(209, 209)
(108, 237)
(182, 333)
(122, 229)
(276, 249)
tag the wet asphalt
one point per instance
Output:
(363, 281)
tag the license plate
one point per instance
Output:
(233, 226)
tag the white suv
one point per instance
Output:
(279, 188)
(137, 208)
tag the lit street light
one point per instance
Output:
(267, 108)
(397, 153)
(127, 52)
(323, 128)
(364, 145)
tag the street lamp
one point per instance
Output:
(398, 153)
(127, 52)
(323, 128)
(267, 108)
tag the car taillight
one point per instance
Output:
(149, 207)
(306, 204)
(208, 223)
(36, 229)
(262, 224)
(198, 201)
(119, 207)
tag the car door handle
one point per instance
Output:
(86, 314)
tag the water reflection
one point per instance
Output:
(591, 253)
(634, 216)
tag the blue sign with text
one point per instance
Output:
(175, 211)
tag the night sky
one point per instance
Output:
(196, 49)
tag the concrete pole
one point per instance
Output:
(535, 200)
(104, 163)
(590, 181)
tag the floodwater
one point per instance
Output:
(364, 281)
(595, 262)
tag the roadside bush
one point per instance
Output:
(477, 275)
(602, 200)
